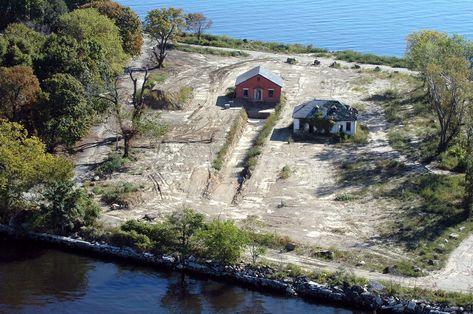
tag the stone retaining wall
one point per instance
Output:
(362, 297)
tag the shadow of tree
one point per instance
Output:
(432, 205)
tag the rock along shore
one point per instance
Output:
(369, 297)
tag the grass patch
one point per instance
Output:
(285, 172)
(121, 194)
(345, 197)
(114, 163)
(232, 137)
(211, 51)
(360, 136)
(234, 43)
(369, 58)
(170, 100)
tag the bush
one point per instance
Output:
(131, 239)
(344, 197)
(113, 163)
(285, 172)
(119, 194)
(223, 241)
(65, 209)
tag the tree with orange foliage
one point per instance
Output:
(19, 90)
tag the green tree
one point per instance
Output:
(197, 23)
(185, 223)
(19, 90)
(449, 89)
(63, 116)
(21, 11)
(65, 209)
(127, 21)
(86, 61)
(22, 45)
(444, 63)
(224, 241)
(24, 164)
(432, 47)
(163, 25)
(90, 25)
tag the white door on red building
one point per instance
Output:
(258, 94)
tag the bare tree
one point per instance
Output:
(163, 25)
(132, 122)
(197, 23)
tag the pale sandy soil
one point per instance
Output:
(177, 172)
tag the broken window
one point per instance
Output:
(348, 127)
(245, 92)
(270, 93)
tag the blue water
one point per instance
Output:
(375, 26)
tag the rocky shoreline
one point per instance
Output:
(369, 297)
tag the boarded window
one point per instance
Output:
(245, 92)
(348, 127)
(270, 93)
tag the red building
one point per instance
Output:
(259, 85)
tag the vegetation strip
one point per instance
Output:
(251, 158)
(371, 296)
(232, 137)
(211, 51)
(345, 55)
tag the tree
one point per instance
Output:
(90, 25)
(85, 60)
(127, 21)
(22, 45)
(133, 123)
(468, 195)
(24, 164)
(19, 90)
(63, 116)
(163, 25)
(224, 241)
(444, 63)
(448, 86)
(65, 209)
(197, 23)
(251, 224)
(185, 223)
(431, 47)
(21, 11)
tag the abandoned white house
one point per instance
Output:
(325, 116)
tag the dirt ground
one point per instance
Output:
(177, 172)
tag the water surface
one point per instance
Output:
(45, 280)
(377, 26)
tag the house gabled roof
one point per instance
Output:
(259, 70)
(330, 108)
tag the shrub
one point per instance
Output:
(113, 163)
(344, 197)
(223, 241)
(285, 172)
(130, 239)
(119, 194)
